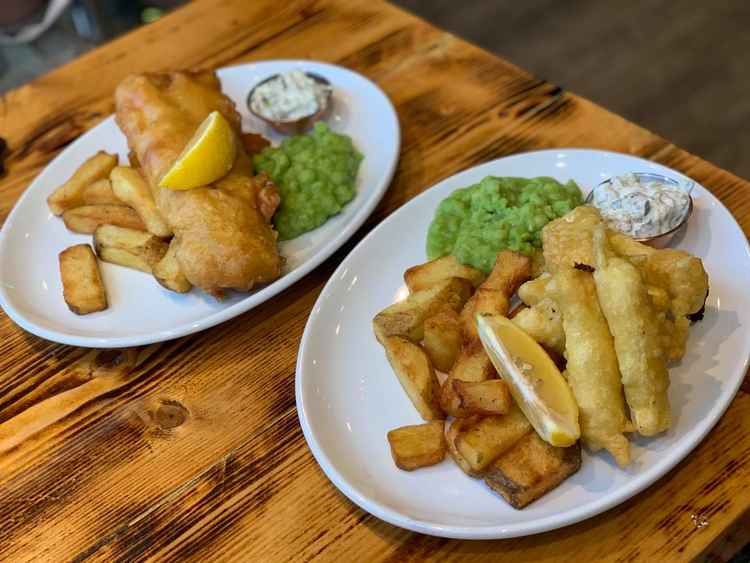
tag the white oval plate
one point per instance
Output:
(348, 397)
(140, 310)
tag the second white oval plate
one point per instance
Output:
(348, 397)
(140, 311)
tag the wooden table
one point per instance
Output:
(196, 450)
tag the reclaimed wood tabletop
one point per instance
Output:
(193, 447)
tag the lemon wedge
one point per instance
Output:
(208, 156)
(536, 384)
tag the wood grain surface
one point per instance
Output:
(192, 448)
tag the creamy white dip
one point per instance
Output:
(641, 209)
(289, 96)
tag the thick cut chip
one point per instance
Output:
(486, 398)
(530, 469)
(419, 445)
(83, 289)
(457, 427)
(86, 219)
(426, 275)
(442, 339)
(100, 193)
(128, 247)
(168, 273)
(483, 442)
(416, 375)
(406, 318)
(473, 364)
(70, 194)
(132, 188)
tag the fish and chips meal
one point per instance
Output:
(512, 393)
(200, 203)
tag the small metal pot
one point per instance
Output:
(658, 239)
(302, 124)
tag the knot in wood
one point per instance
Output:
(109, 359)
(170, 414)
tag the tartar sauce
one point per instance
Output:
(641, 209)
(289, 96)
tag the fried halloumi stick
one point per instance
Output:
(632, 320)
(592, 370)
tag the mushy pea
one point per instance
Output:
(476, 222)
(315, 175)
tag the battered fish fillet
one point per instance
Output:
(592, 369)
(632, 320)
(223, 235)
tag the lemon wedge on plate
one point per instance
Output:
(536, 384)
(208, 156)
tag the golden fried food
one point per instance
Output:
(129, 186)
(71, 193)
(492, 296)
(483, 442)
(406, 318)
(592, 369)
(442, 339)
(678, 273)
(128, 247)
(419, 445)
(632, 320)
(416, 375)
(428, 274)
(543, 322)
(535, 290)
(487, 398)
(567, 241)
(87, 218)
(530, 469)
(100, 193)
(224, 239)
(168, 273)
(83, 289)
(473, 364)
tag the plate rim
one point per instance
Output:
(555, 521)
(251, 301)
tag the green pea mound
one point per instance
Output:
(476, 222)
(315, 175)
